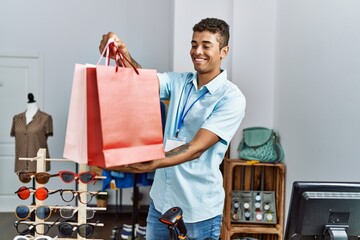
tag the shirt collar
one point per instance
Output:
(23, 114)
(214, 84)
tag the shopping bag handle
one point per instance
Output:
(118, 56)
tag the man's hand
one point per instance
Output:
(118, 44)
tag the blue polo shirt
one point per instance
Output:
(197, 186)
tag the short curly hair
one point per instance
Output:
(215, 25)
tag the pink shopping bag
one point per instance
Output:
(123, 116)
(75, 147)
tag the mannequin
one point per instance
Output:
(31, 130)
(31, 108)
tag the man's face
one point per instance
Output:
(205, 52)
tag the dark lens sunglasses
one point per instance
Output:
(23, 212)
(40, 177)
(84, 177)
(85, 230)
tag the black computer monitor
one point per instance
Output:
(324, 210)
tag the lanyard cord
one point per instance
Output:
(184, 113)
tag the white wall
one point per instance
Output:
(253, 30)
(317, 88)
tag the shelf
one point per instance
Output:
(239, 175)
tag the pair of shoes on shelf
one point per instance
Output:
(126, 233)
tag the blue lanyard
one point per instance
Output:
(184, 113)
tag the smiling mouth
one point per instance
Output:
(199, 60)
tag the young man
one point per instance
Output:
(204, 113)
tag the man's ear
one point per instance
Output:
(223, 52)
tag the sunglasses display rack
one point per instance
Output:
(81, 207)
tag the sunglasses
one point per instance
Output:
(23, 212)
(30, 237)
(84, 177)
(25, 228)
(67, 195)
(41, 193)
(66, 176)
(85, 230)
(40, 177)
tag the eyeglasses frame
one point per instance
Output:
(76, 193)
(34, 224)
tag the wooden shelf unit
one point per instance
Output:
(240, 175)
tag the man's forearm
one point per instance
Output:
(173, 157)
(203, 140)
(181, 154)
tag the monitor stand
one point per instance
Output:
(337, 232)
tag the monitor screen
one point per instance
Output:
(324, 210)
